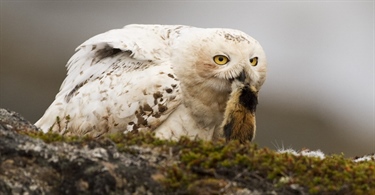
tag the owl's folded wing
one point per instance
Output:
(116, 84)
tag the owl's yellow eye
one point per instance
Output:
(221, 60)
(254, 61)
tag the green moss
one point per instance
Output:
(333, 174)
(54, 137)
(198, 163)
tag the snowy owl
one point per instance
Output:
(173, 80)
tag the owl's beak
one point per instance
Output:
(242, 76)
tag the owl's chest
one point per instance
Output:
(195, 120)
(181, 123)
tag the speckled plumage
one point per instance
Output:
(153, 77)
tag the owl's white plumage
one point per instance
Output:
(153, 77)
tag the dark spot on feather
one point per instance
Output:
(171, 75)
(237, 38)
(168, 33)
(174, 85)
(168, 90)
(156, 115)
(162, 108)
(140, 120)
(147, 107)
(156, 96)
(75, 89)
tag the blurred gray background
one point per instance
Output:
(319, 93)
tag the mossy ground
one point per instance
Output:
(202, 167)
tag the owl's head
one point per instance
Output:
(214, 57)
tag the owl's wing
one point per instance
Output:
(118, 80)
(141, 42)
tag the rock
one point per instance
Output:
(13, 121)
(31, 166)
(32, 162)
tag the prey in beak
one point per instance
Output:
(239, 116)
